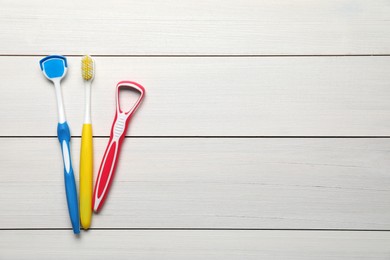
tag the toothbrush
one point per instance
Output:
(86, 152)
(54, 68)
(117, 135)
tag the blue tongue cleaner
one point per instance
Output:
(54, 66)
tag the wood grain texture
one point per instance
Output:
(318, 96)
(208, 183)
(207, 69)
(150, 244)
(177, 27)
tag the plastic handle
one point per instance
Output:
(70, 184)
(111, 155)
(106, 172)
(86, 173)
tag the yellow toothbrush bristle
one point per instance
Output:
(87, 67)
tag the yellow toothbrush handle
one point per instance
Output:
(86, 172)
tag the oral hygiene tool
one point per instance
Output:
(54, 68)
(117, 135)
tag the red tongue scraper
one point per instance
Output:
(117, 135)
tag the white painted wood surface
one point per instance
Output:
(209, 183)
(211, 68)
(186, 27)
(182, 244)
(316, 96)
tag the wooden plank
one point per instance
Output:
(327, 96)
(249, 27)
(208, 183)
(184, 244)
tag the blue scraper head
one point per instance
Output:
(54, 66)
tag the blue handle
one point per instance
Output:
(70, 184)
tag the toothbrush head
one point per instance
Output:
(87, 68)
(54, 67)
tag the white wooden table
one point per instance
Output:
(265, 133)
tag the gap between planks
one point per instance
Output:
(208, 229)
(211, 137)
(205, 55)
